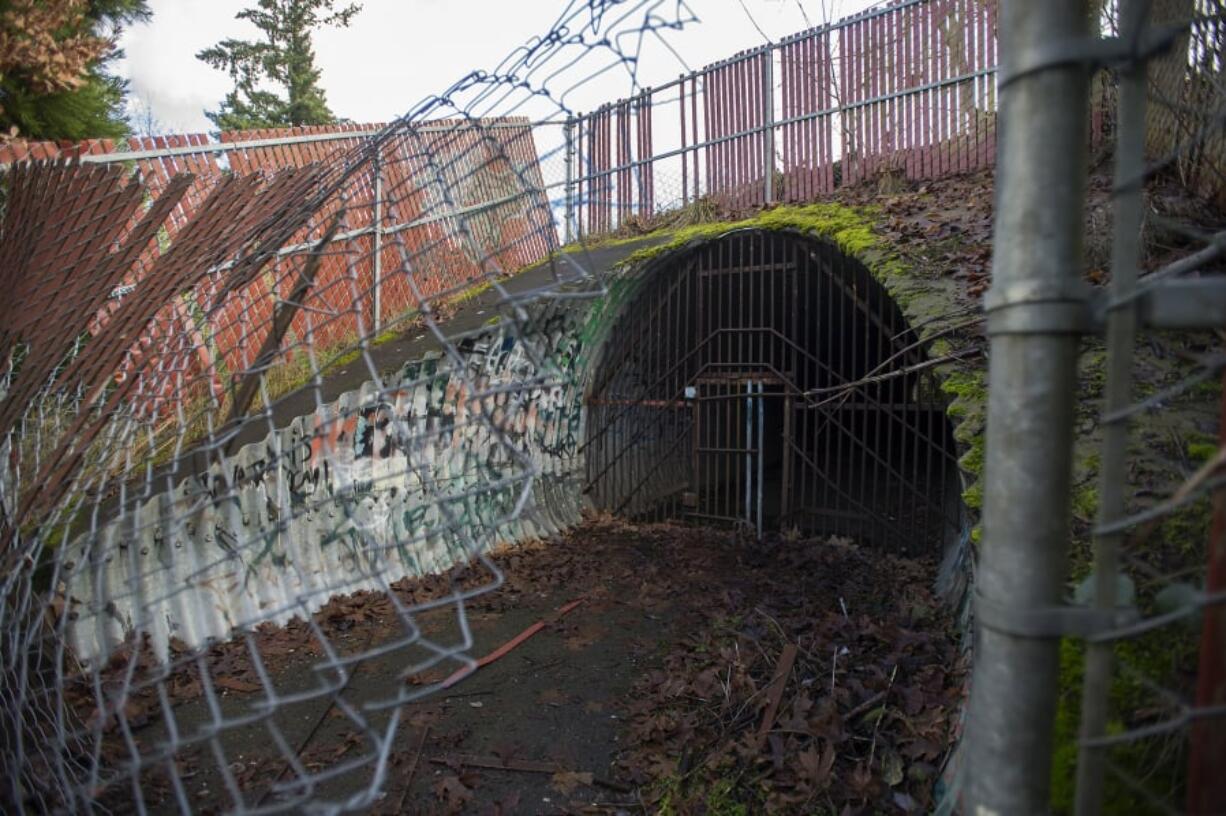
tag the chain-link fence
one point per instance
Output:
(214, 463)
(1125, 677)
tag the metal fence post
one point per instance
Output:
(768, 122)
(377, 223)
(1121, 335)
(1034, 312)
(569, 135)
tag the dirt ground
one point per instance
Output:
(699, 672)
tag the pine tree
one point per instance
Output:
(276, 83)
(54, 60)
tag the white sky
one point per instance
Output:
(396, 52)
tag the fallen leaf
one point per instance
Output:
(234, 684)
(566, 782)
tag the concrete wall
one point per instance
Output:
(400, 480)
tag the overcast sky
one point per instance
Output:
(398, 52)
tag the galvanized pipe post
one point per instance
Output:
(1121, 335)
(768, 122)
(569, 131)
(377, 225)
(1034, 312)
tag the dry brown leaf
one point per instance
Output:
(567, 782)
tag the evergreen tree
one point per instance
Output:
(276, 83)
(54, 60)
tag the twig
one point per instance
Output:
(494, 763)
(872, 750)
(408, 779)
(782, 670)
(864, 706)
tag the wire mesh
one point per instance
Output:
(1141, 695)
(192, 518)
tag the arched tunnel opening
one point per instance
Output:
(767, 380)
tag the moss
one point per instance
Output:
(973, 496)
(721, 801)
(1186, 530)
(1200, 452)
(972, 461)
(851, 229)
(1157, 763)
(967, 385)
(1085, 502)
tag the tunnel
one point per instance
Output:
(766, 380)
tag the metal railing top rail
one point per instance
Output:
(868, 14)
(252, 144)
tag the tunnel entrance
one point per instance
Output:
(766, 380)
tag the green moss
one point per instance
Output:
(973, 496)
(1201, 451)
(972, 461)
(968, 385)
(1085, 502)
(940, 347)
(1157, 763)
(1186, 530)
(721, 801)
(851, 229)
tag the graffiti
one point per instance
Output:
(375, 486)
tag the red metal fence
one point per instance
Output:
(395, 250)
(907, 88)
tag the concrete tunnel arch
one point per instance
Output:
(767, 379)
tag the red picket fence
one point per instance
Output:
(907, 88)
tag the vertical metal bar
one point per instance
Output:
(768, 121)
(377, 223)
(1031, 389)
(697, 140)
(785, 488)
(1207, 741)
(569, 135)
(761, 448)
(685, 166)
(1121, 335)
(749, 446)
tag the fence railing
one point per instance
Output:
(906, 89)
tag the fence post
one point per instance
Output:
(1034, 311)
(768, 122)
(1121, 335)
(377, 223)
(569, 136)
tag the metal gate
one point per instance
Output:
(728, 481)
(766, 380)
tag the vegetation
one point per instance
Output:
(276, 83)
(54, 60)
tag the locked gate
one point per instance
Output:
(767, 381)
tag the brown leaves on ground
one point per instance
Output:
(454, 792)
(864, 715)
(567, 782)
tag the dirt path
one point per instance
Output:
(650, 694)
